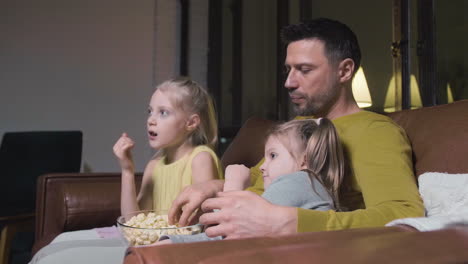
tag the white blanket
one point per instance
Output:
(445, 198)
(84, 246)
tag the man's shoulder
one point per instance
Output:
(364, 120)
(366, 126)
(362, 116)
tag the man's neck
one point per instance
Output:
(342, 110)
(344, 105)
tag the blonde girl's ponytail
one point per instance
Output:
(208, 130)
(325, 158)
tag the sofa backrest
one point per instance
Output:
(247, 147)
(438, 136)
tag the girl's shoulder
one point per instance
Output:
(203, 159)
(203, 154)
(202, 149)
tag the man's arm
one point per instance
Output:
(383, 172)
(245, 214)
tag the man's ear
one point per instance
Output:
(346, 70)
(193, 122)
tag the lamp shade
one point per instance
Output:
(449, 93)
(390, 102)
(361, 90)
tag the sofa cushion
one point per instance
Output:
(438, 135)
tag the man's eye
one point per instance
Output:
(286, 70)
(304, 70)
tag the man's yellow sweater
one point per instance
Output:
(383, 186)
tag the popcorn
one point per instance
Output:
(148, 228)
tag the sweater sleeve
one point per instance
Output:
(383, 173)
(256, 179)
(297, 190)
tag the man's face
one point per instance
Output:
(312, 80)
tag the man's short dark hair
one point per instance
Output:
(340, 41)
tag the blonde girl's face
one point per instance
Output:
(278, 161)
(166, 123)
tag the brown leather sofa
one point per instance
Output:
(439, 137)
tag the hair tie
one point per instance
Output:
(318, 120)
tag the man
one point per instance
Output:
(322, 58)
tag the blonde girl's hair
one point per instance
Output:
(189, 96)
(324, 156)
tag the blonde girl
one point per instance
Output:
(313, 147)
(304, 166)
(182, 128)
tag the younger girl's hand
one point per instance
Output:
(237, 178)
(122, 150)
(163, 242)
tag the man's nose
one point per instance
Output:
(291, 82)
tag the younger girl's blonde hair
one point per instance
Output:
(324, 157)
(189, 96)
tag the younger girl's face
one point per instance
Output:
(166, 123)
(278, 161)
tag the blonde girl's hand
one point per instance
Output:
(237, 178)
(122, 150)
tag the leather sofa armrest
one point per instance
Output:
(75, 201)
(366, 245)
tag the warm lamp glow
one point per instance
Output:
(360, 90)
(414, 91)
(449, 94)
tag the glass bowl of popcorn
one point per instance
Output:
(146, 227)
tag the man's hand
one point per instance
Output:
(244, 214)
(190, 199)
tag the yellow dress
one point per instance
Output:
(170, 179)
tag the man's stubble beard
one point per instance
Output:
(317, 106)
(320, 104)
(309, 109)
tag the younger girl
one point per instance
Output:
(182, 128)
(304, 167)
